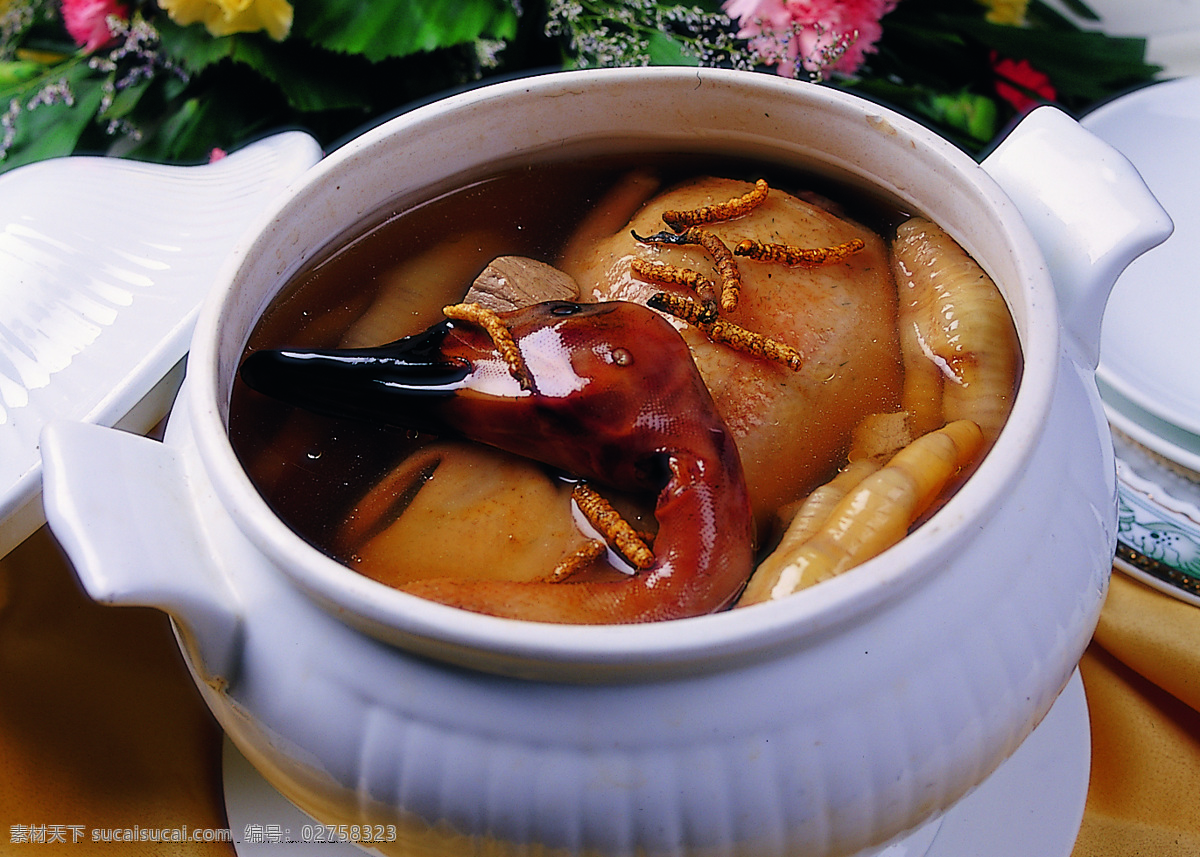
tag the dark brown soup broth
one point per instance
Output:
(311, 468)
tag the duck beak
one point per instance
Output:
(398, 383)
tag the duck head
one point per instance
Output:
(608, 388)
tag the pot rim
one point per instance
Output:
(584, 653)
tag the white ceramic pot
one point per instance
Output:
(821, 724)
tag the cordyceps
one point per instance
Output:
(608, 393)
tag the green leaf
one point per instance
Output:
(665, 50)
(192, 47)
(177, 136)
(394, 28)
(973, 114)
(53, 130)
(308, 78)
(126, 100)
(190, 132)
(1085, 63)
(18, 71)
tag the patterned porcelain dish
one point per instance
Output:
(1158, 535)
(1149, 349)
(826, 724)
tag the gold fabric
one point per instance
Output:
(101, 727)
(1142, 675)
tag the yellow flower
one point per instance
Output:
(1006, 11)
(225, 17)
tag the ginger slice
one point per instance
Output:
(513, 282)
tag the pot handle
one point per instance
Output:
(1088, 209)
(119, 505)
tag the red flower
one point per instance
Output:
(1016, 80)
(87, 21)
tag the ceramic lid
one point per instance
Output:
(103, 266)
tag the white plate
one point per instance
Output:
(1031, 805)
(1149, 348)
(1159, 436)
(103, 266)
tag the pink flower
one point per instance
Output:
(816, 35)
(1016, 80)
(87, 21)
